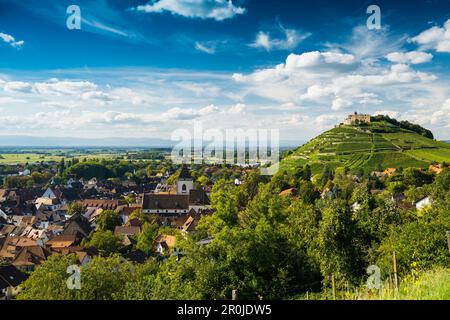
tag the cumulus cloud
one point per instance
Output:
(390, 113)
(237, 109)
(99, 96)
(340, 103)
(333, 80)
(9, 39)
(437, 38)
(412, 57)
(218, 10)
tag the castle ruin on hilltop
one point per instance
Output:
(356, 119)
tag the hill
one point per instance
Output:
(371, 146)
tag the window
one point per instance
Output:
(184, 188)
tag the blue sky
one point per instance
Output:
(146, 68)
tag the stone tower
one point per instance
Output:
(185, 182)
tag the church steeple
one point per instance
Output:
(185, 182)
(185, 174)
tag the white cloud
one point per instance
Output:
(64, 87)
(11, 40)
(291, 39)
(368, 47)
(390, 113)
(437, 38)
(9, 100)
(412, 57)
(99, 96)
(205, 48)
(218, 10)
(17, 86)
(340, 103)
(237, 109)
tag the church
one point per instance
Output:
(185, 200)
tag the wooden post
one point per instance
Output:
(347, 290)
(448, 240)
(307, 295)
(234, 295)
(394, 258)
(333, 286)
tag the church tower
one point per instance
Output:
(185, 182)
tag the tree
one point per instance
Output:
(75, 208)
(338, 244)
(105, 241)
(89, 170)
(130, 198)
(62, 166)
(49, 281)
(147, 237)
(203, 180)
(108, 220)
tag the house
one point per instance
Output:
(127, 231)
(83, 256)
(389, 171)
(125, 212)
(61, 241)
(186, 198)
(355, 207)
(425, 202)
(29, 258)
(436, 169)
(292, 192)
(173, 204)
(102, 204)
(198, 200)
(10, 280)
(25, 172)
(164, 244)
(78, 226)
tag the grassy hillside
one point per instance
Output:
(368, 146)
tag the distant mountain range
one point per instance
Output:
(116, 142)
(32, 141)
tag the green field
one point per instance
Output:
(368, 147)
(51, 156)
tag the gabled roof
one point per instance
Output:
(127, 230)
(77, 224)
(198, 197)
(10, 276)
(185, 174)
(104, 204)
(61, 241)
(165, 202)
(31, 256)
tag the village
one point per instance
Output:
(36, 223)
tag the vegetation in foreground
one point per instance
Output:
(280, 247)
